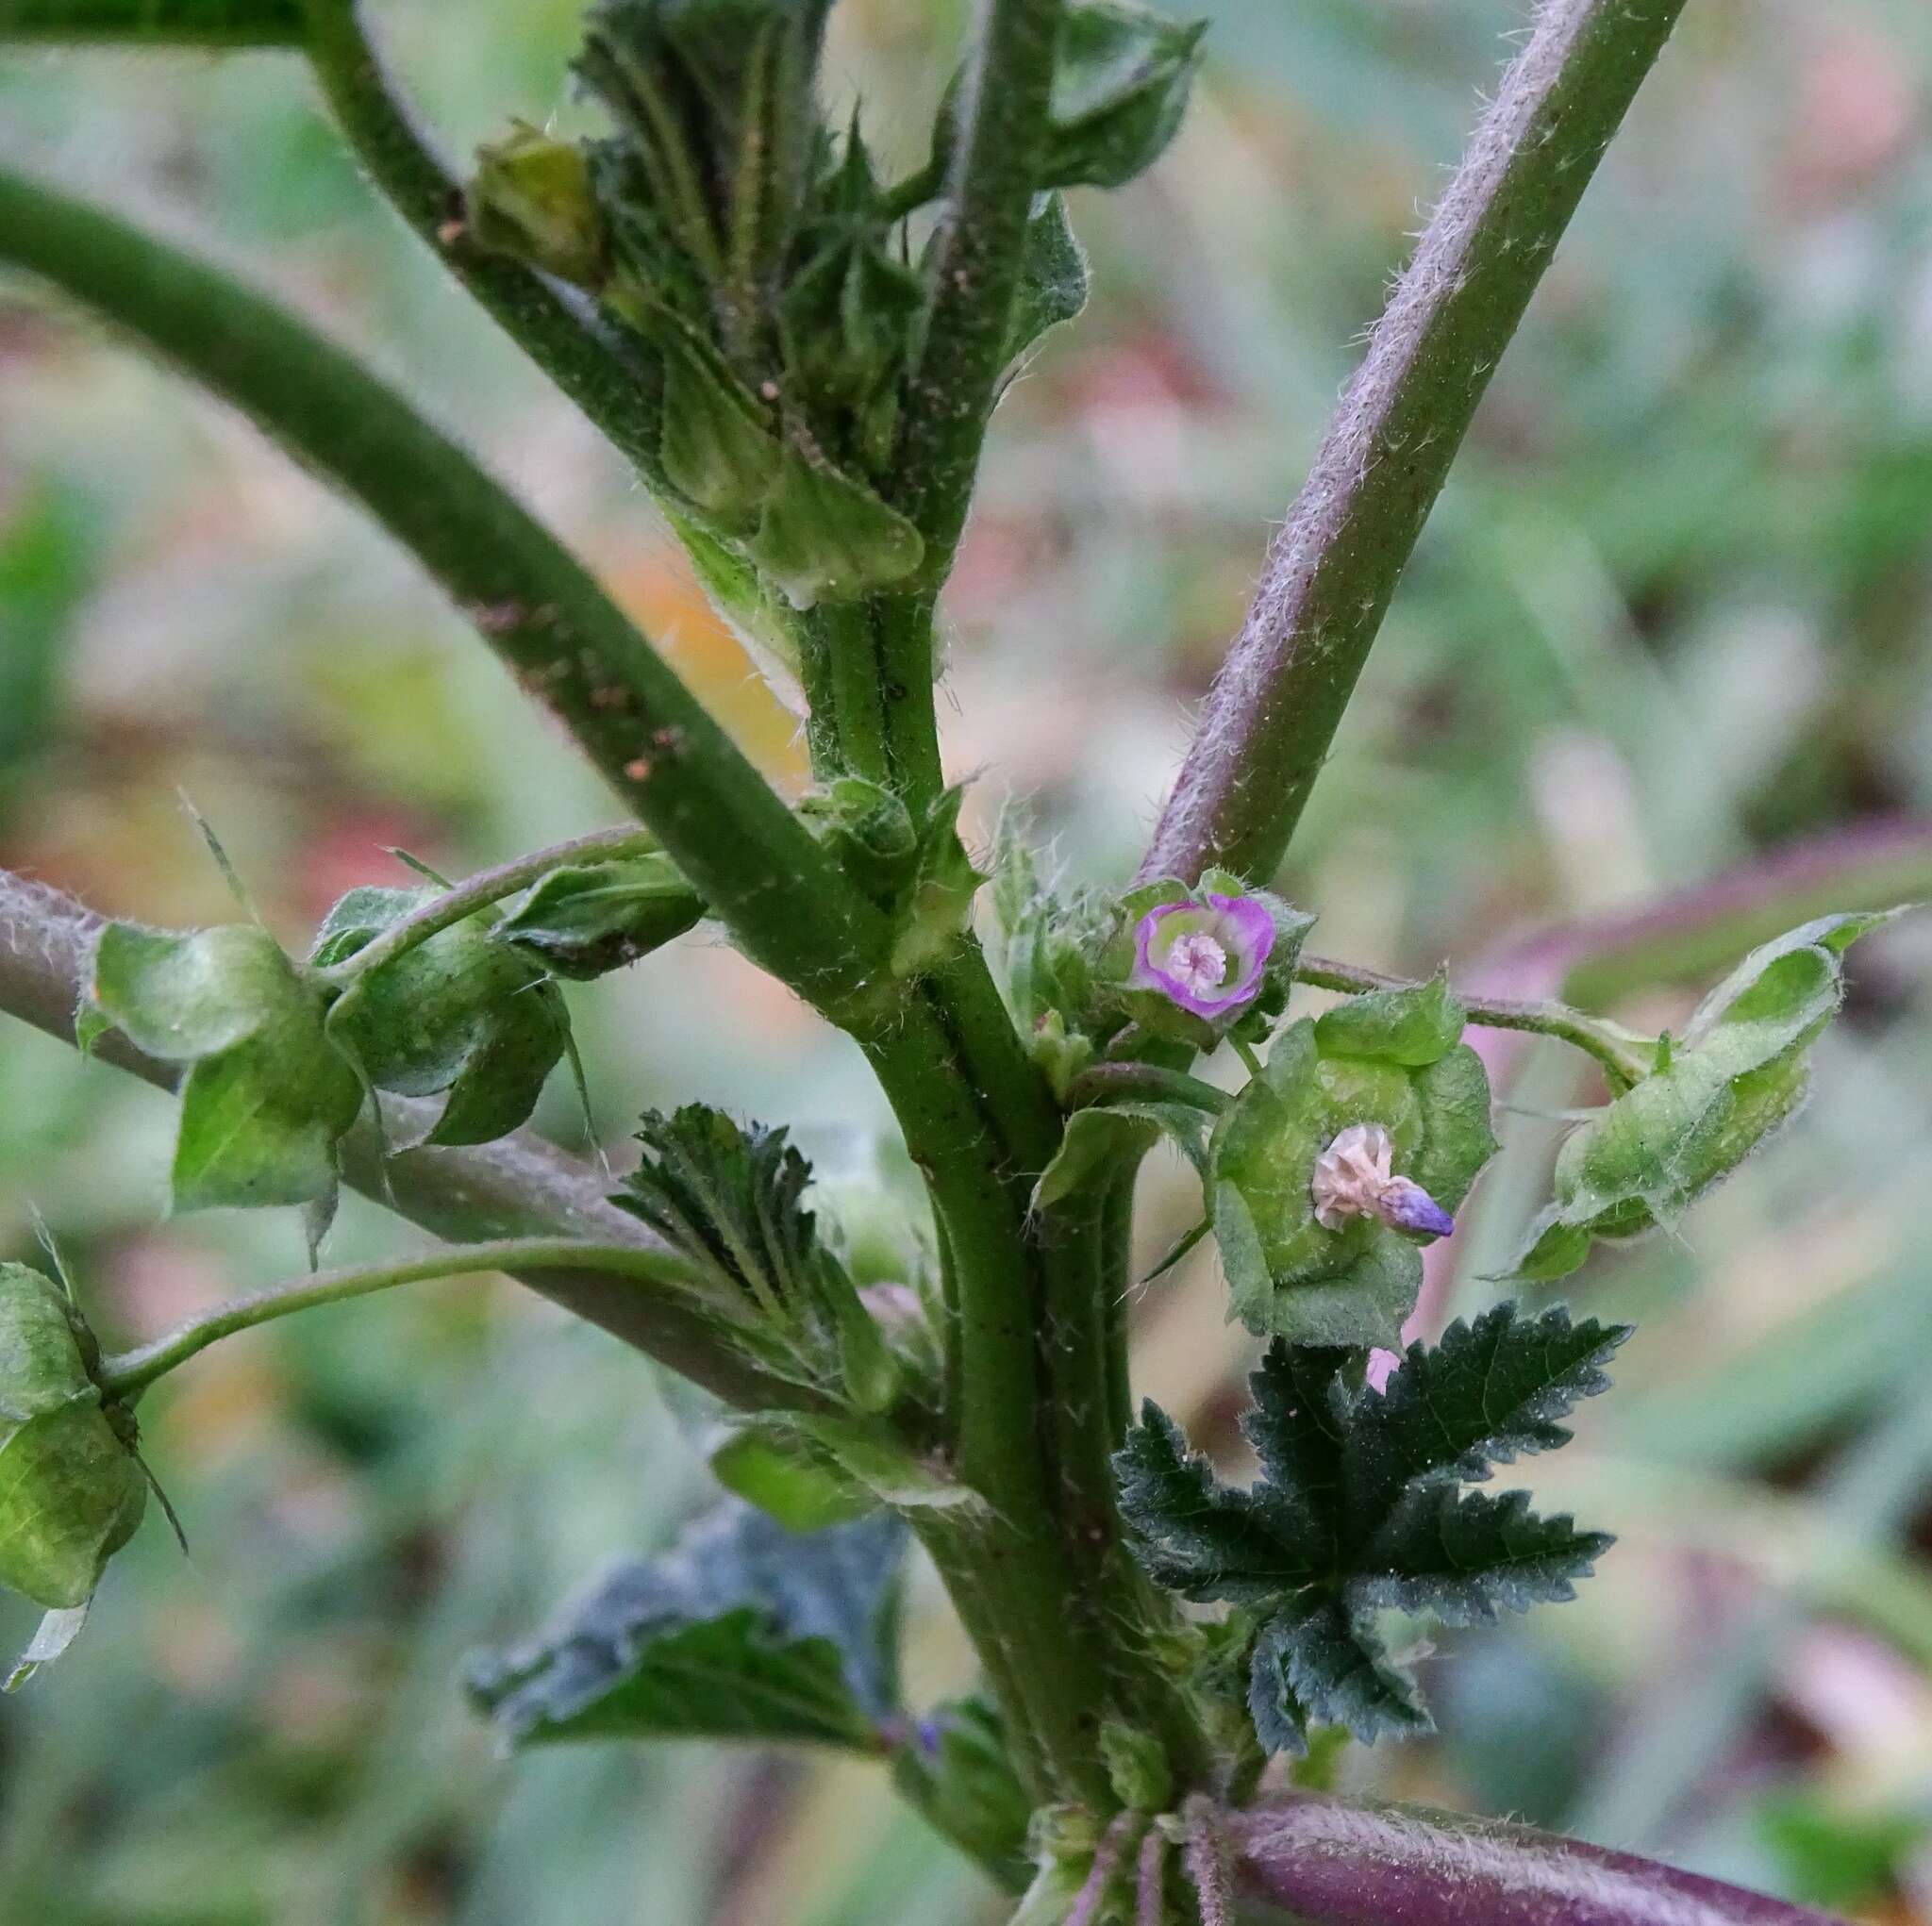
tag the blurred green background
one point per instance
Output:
(1674, 612)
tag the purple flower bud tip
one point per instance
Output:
(1208, 957)
(1409, 1208)
(1353, 1179)
(928, 1734)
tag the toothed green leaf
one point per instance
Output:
(730, 1198)
(1359, 1509)
(1323, 1668)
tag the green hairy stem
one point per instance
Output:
(975, 267)
(155, 23)
(560, 330)
(132, 1371)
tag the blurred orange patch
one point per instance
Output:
(655, 587)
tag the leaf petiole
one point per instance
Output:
(129, 1372)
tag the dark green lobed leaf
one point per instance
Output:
(1358, 1509)
(1326, 1669)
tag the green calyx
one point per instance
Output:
(72, 1490)
(1719, 1090)
(1392, 1059)
(531, 197)
(267, 1096)
(463, 1015)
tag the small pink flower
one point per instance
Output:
(1208, 957)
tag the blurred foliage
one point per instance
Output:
(1675, 608)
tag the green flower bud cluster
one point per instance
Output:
(72, 1490)
(1392, 1063)
(757, 259)
(766, 274)
(281, 1056)
(1721, 1090)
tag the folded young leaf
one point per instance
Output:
(744, 1630)
(1097, 1138)
(773, 1468)
(1359, 1509)
(1719, 1092)
(583, 920)
(731, 1200)
(958, 1769)
(1054, 276)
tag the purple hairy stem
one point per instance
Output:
(1333, 1864)
(1206, 1861)
(1107, 1862)
(1150, 1882)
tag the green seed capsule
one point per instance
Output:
(71, 1492)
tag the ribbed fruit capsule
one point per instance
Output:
(72, 1490)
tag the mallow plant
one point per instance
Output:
(799, 355)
